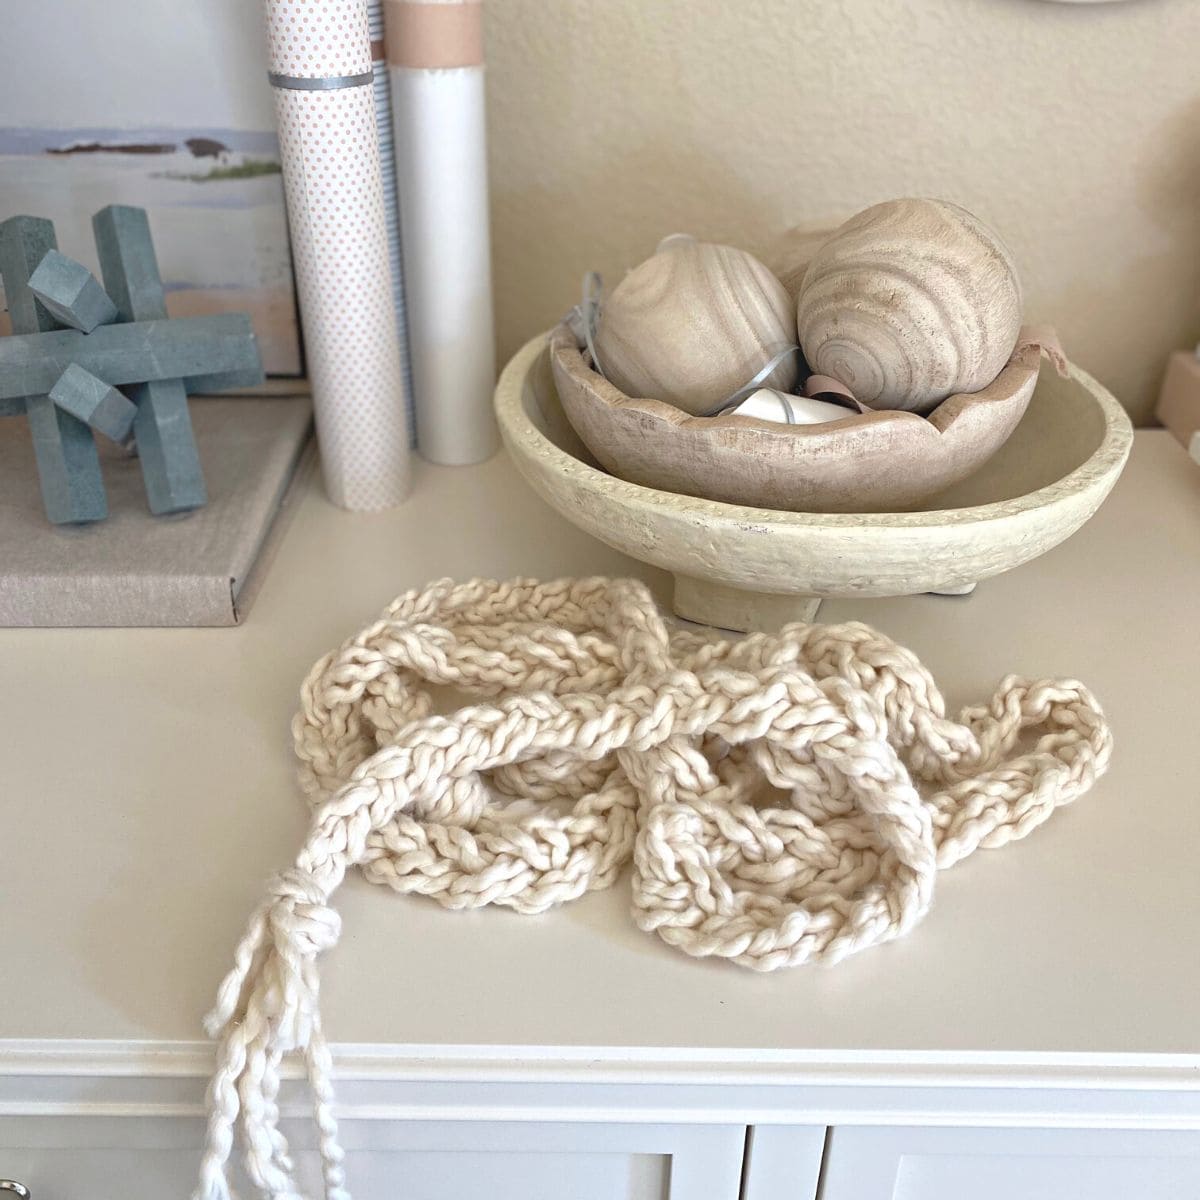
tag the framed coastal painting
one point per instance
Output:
(183, 127)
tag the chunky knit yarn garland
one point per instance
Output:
(604, 738)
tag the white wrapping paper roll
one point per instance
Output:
(435, 57)
(320, 70)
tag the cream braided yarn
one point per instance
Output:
(602, 738)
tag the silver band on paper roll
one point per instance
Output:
(327, 83)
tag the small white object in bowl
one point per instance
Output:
(770, 405)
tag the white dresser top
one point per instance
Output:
(148, 794)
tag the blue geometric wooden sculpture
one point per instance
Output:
(85, 357)
(70, 292)
(95, 403)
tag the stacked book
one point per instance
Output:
(198, 568)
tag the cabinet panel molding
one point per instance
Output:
(909, 1163)
(115, 1158)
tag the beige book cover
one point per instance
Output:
(198, 568)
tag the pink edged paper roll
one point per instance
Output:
(320, 71)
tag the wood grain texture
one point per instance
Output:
(1045, 482)
(909, 302)
(868, 462)
(693, 323)
(790, 255)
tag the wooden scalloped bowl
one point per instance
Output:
(868, 462)
(745, 568)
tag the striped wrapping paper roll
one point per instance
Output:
(435, 60)
(391, 197)
(320, 71)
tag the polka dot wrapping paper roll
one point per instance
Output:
(391, 197)
(320, 70)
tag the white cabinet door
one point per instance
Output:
(1009, 1164)
(126, 1158)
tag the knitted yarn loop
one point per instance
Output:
(783, 799)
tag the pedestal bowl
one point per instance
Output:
(865, 462)
(747, 568)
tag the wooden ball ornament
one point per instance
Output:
(694, 323)
(909, 302)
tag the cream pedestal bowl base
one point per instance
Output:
(726, 607)
(755, 569)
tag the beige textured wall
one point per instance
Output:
(1073, 128)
